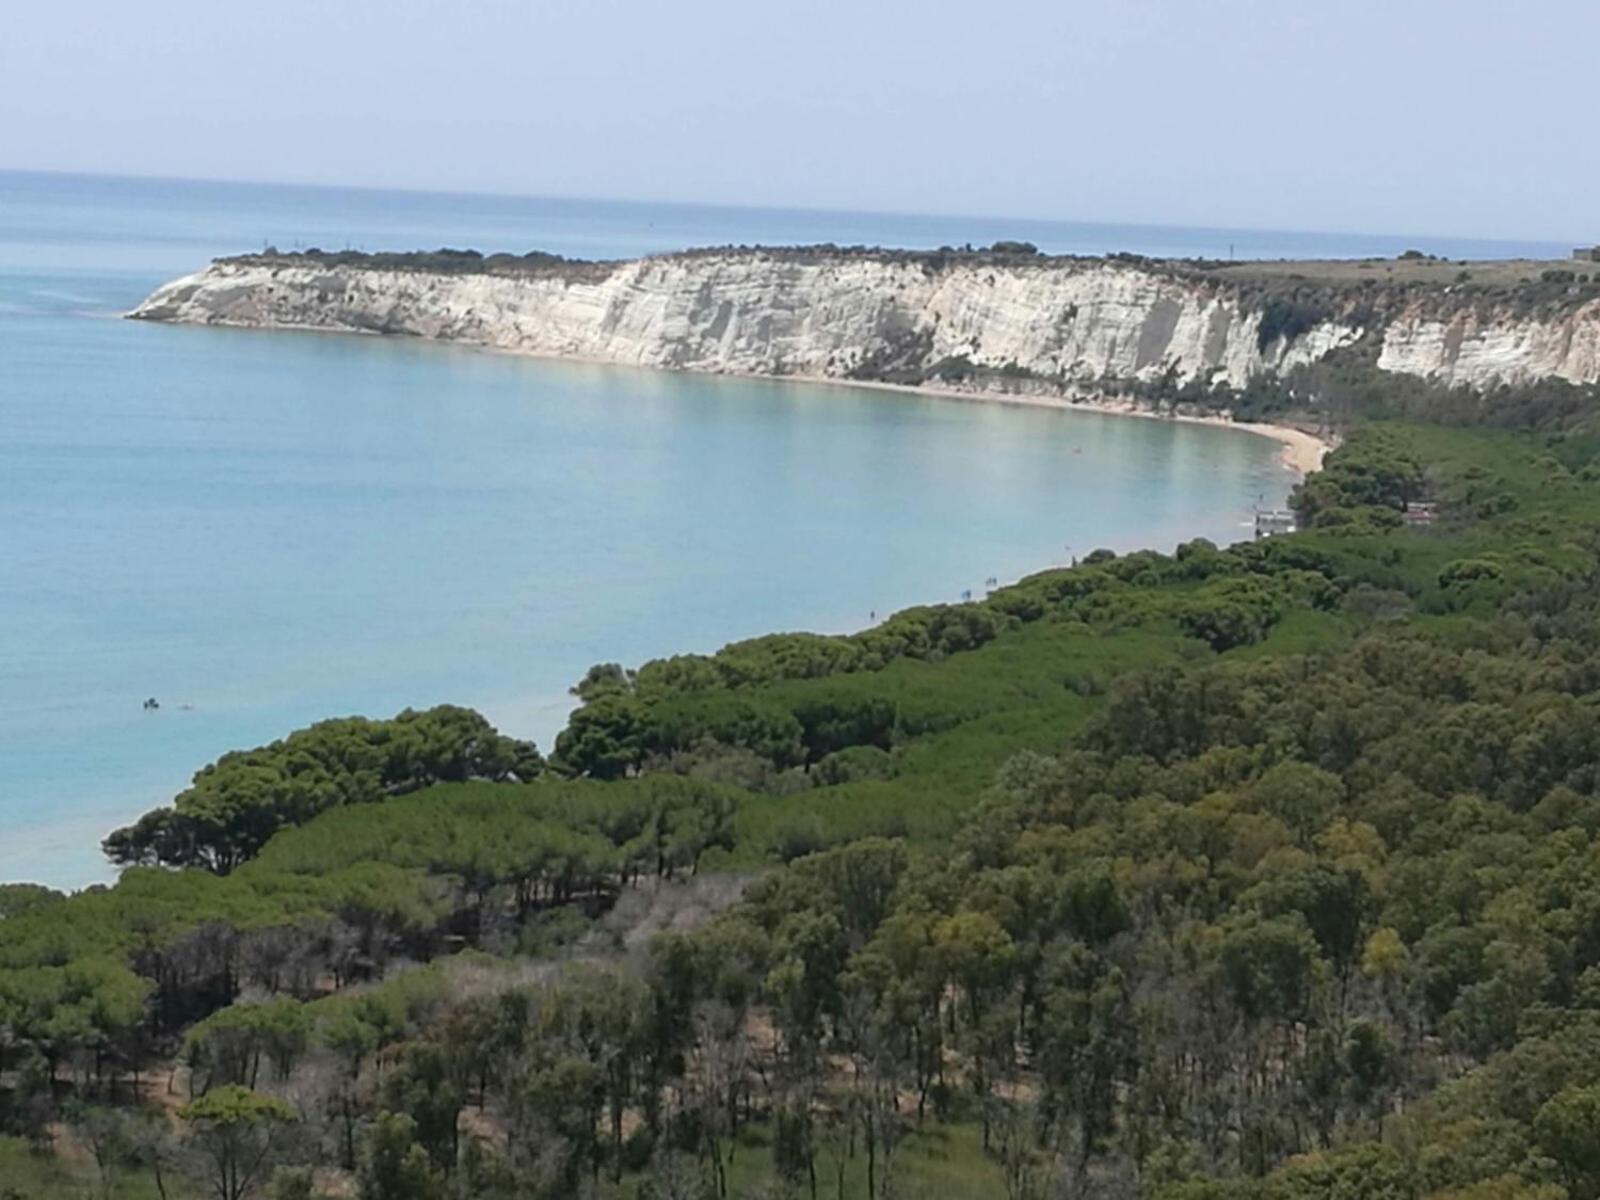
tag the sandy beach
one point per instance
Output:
(1302, 452)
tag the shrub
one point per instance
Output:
(1286, 319)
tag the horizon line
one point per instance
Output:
(738, 206)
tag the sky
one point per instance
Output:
(1459, 117)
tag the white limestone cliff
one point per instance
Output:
(1479, 349)
(1068, 323)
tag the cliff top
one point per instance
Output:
(1523, 285)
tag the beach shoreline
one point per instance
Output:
(1301, 451)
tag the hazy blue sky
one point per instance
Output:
(1409, 116)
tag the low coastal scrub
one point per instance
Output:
(1263, 871)
(444, 261)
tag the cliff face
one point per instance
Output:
(1478, 349)
(1069, 323)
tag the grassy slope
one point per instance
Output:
(38, 1176)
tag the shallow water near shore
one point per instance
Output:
(260, 530)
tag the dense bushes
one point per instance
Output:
(1376, 472)
(786, 698)
(920, 633)
(1284, 318)
(236, 804)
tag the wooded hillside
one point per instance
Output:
(1266, 872)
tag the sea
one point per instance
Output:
(258, 530)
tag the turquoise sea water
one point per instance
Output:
(273, 528)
